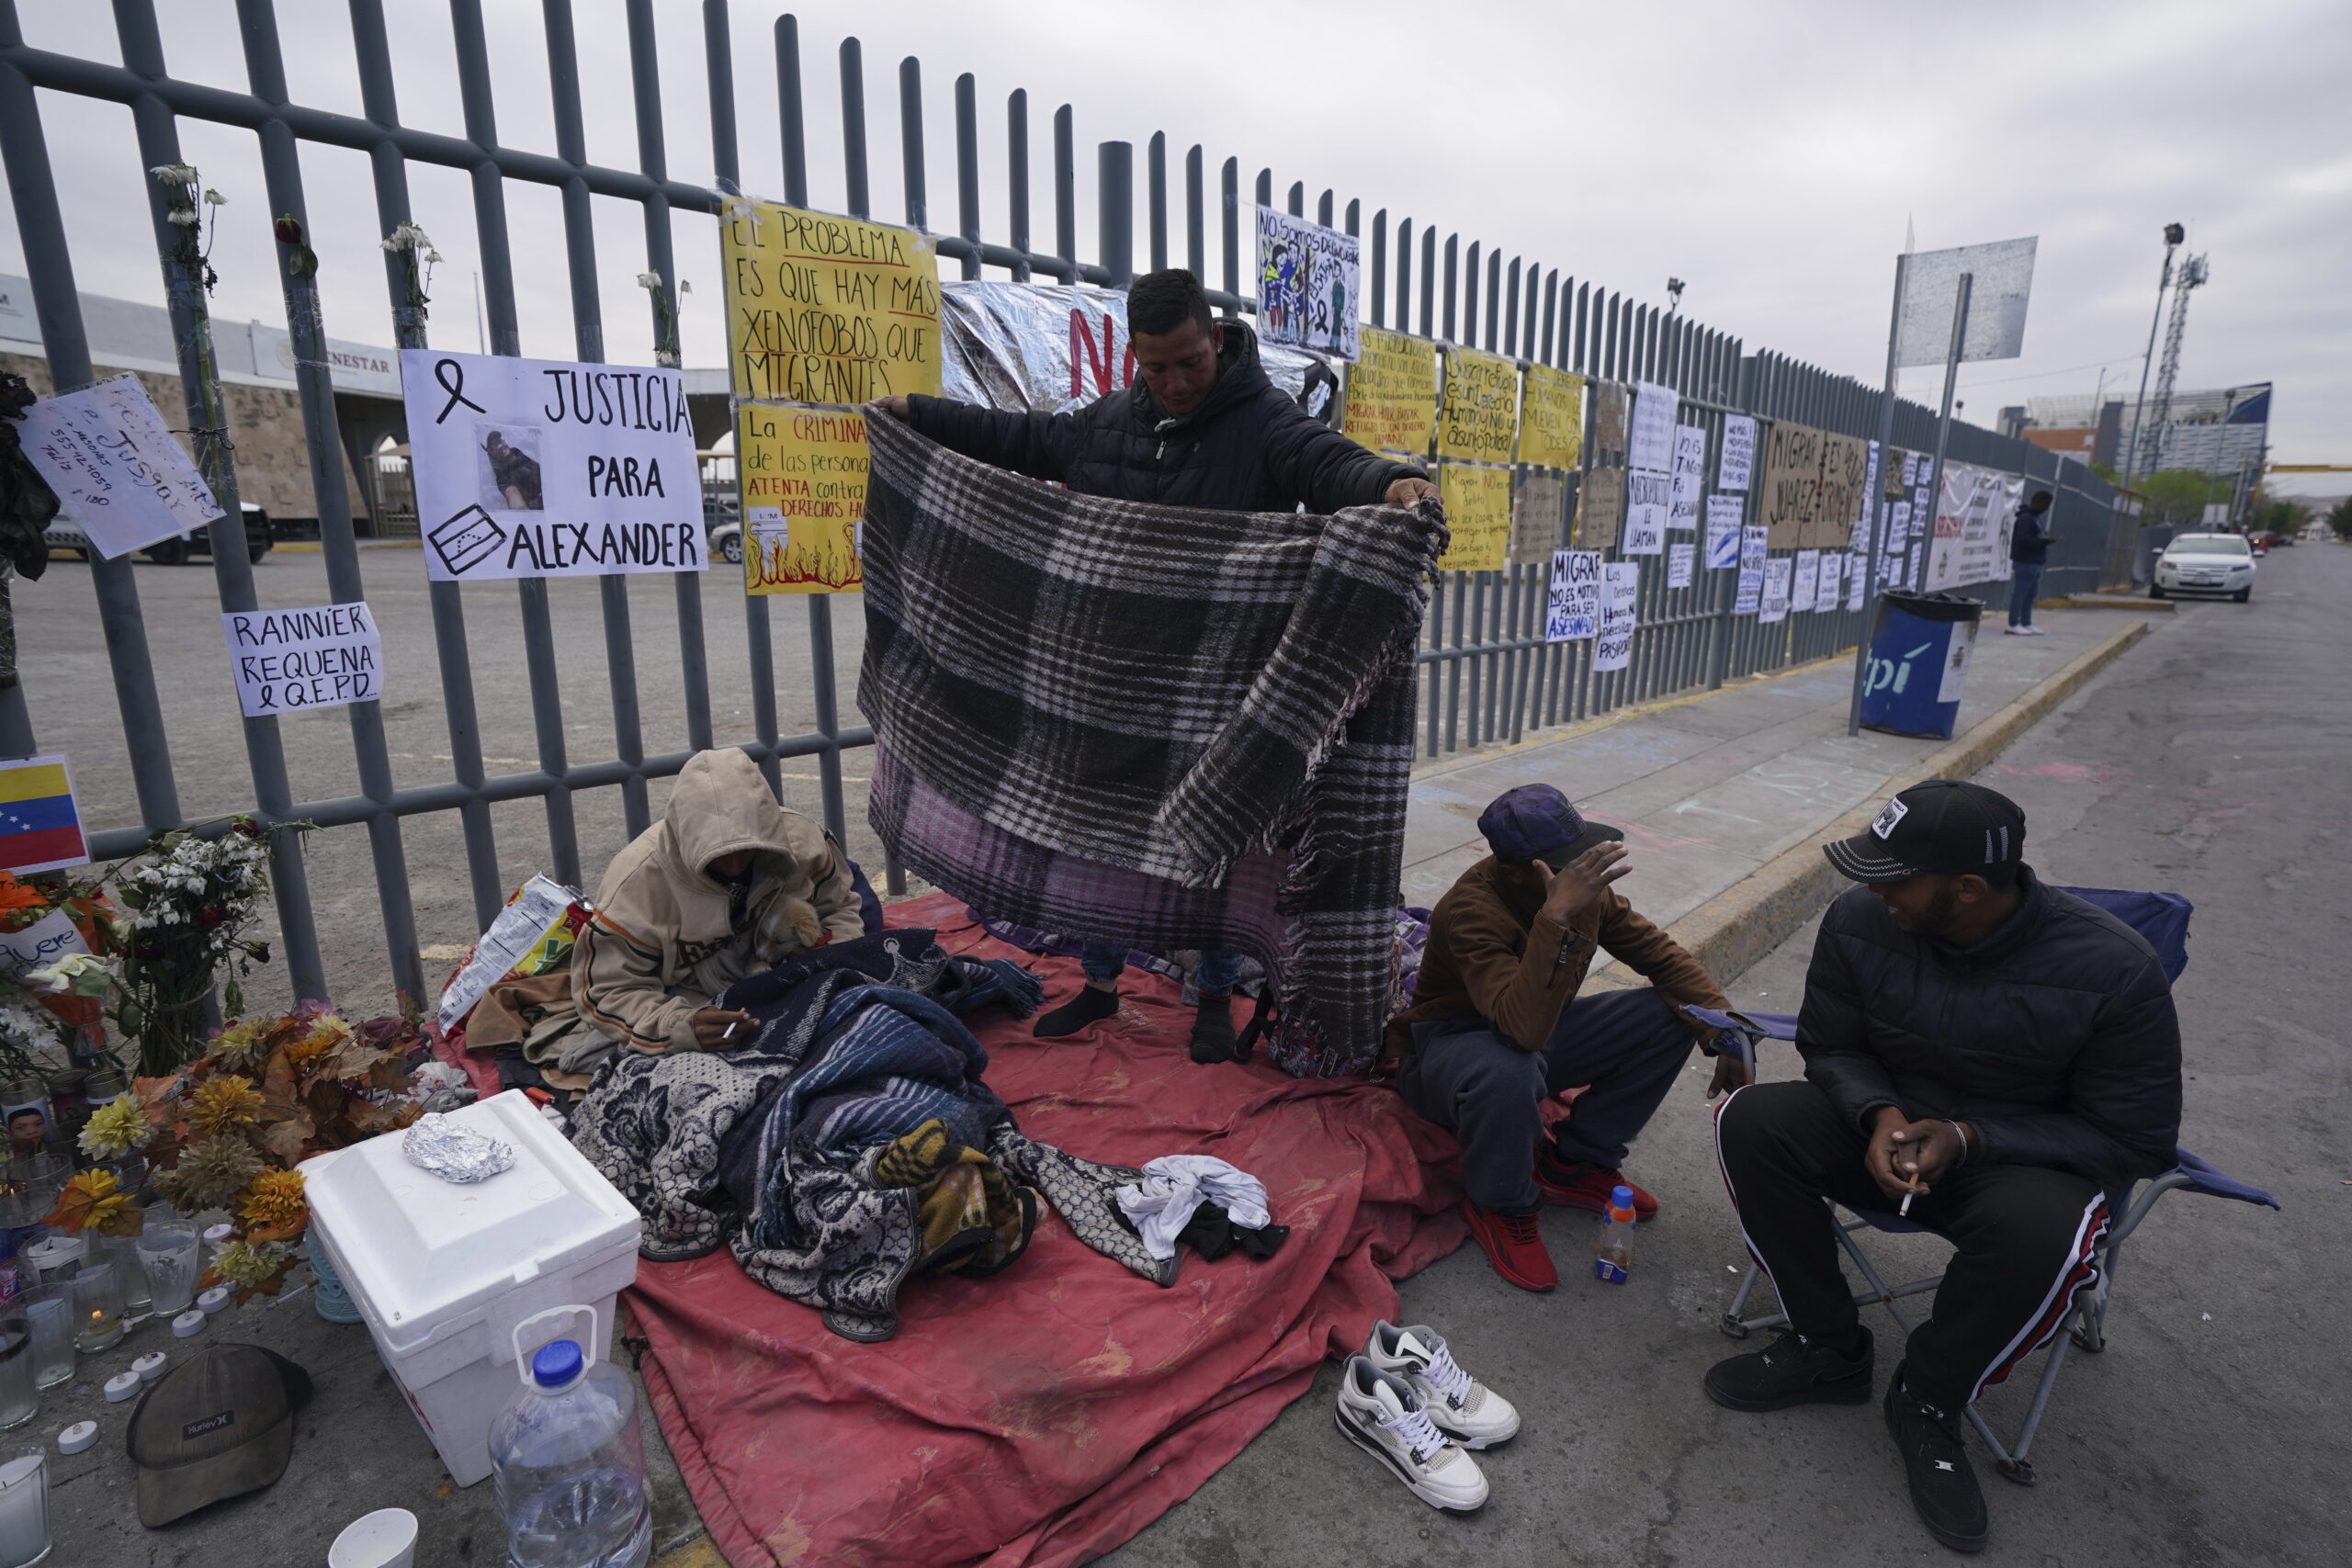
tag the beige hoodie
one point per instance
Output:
(660, 946)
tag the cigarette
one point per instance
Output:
(732, 1027)
(1905, 1211)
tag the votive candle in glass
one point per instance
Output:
(97, 1308)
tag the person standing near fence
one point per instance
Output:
(1203, 426)
(2029, 548)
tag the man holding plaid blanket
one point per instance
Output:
(1202, 426)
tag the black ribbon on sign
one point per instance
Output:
(442, 369)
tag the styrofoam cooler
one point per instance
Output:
(445, 1272)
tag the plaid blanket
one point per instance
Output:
(1162, 726)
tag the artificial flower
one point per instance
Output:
(224, 1103)
(185, 217)
(214, 198)
(244, 1264)
(91, 1201)
(67, 974)
(212, 1174)
(245, 1045)
(328, 1033)
(174, 174)
(649, 280)
(276, 1202)
(115, 1129)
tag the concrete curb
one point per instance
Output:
(1748, 920)
(2109, 601)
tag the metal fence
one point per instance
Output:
(1490, 675)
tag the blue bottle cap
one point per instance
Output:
(556, 1363)
(1621, 1197)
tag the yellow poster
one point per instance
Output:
(1551, 418)
(1391, 393)
(1480, 419)
(803, 498)
(1477, 509)
(825, 309)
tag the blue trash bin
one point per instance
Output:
(1918, 664)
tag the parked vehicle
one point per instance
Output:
(2205, 563)
(2267, 541)
(722, 528)
(64, 535)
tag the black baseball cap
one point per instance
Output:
(219, 1425)
(1537, 822)
(1945, 828)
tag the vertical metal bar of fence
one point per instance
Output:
(968, 166)
(1229, 253)
(306, 328)
(1016, 178)
(1469, 338)
(159, 143)
(1195, 215)
(1452, 266)
(1156, 197)
(759, 626)
(1115, 174)
(1066, 193)
(1378, 294)
(1428, 280)
(1404, 276)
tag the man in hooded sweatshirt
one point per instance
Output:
(1203, 426)
(725, 886)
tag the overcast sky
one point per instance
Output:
(1768, 154)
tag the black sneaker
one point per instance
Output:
(1212, 1030)
(1943, 1486)
(1792, 1370)
(1091, 1005)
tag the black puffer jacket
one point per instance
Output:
(2054, 1037)
(1246, 449)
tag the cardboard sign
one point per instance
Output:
(1690, 476)
(1551, 418)
(1648, 497)
(1735, 464)
(550, 468)
(1723, 532)
(1609, 414)
(40, 826)
(826, 310)
(1649, 443)
(1539, 506)
(1479, 419)
(1391, 393)
(1805, 586)
(804, 473)
(1620, 584)
(1600, 507)
(1813, 486)
(1477, 509)
(40, 945)
(290, 660)
(1755, 540)
(1572, 609)
(1679, 557)
(1306, 284)
(118, 474)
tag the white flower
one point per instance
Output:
(59, 978)
(650, 280)
(185, 217)
(407, 237)
(431, 257)
(685, 287)
(665, 359)
(214, 198)
(174, 174)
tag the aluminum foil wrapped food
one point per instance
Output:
(437, 1143)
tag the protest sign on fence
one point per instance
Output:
(1813, 485)
(1477, 509)
(289, 660)
(1048, 348)
(1479, 420)
(1679, 557)
(1825, 588)
(1306, 284)
(1973, 524)
(1754, 542)
(1573, 608)
(1600, 507)
(1551, 418)
(1391, 393)
(40, 826)
(1649, 442)
(1690, 476)
(1858, 580)
(1805, 581)
(826, 310)
(1609, 418)
(1539, 505)
(1735, 464)
(118, 474)
(1647, 497)
(1722, 531)
(803, 475)
(1621, 583)
(546, 468)
(1775, 605)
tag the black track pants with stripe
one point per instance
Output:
(2027, 1237)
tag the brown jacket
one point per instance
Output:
(1492, 955)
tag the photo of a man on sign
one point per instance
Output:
(513, 459)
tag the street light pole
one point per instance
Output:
(2174, 235)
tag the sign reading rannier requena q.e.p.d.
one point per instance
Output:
(550, 468)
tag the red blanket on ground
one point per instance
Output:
(1043, 1417)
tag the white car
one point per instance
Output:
(2205, 563)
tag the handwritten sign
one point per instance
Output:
(1621, 583)
(1391, 393)
(550, 468)
(1647, 497)
(292, 661)
(1754, 542)
(1825, 590)
(1802, 589)
(1479, 420)
(1306, 284)
(1609, 412)
(1690, 476)
(1722, 531)
(804, 474)
(1551, 418)
(1858, 580)
(1649, 443)
(1735, 464)
(1539, 505)
(1813, 485)
(1679, 557)
(1600, 506)
(40, 944)
(825, 309)
(118, 474)
(1477, 509)
(1776, 589)
(1572, 610)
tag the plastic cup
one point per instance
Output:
(19, 1395)
(48, 1309)
(385, 1539)
(170, 1257)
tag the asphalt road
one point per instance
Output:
(2208, 761)
(70, 690)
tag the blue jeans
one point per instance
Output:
(1103, 963)
(2025, 587)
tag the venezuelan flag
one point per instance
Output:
(39, 828)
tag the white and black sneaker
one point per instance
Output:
(1459, 1406)
(1383, 1416)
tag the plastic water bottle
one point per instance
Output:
(568, 1464)
(1613, 1258)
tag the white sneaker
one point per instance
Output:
(2016, 631)
(1382, 1416)
(2033, 631)
(1460, 1405)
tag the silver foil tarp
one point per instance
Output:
(434, 1143)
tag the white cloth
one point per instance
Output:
(1161, 1204)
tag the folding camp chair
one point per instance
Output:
(2163, 920)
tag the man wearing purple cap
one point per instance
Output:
(1497, 1025)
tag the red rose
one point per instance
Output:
(210, 915)
(290, 230)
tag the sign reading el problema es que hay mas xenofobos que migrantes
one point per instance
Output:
(544, 468)
(826, 310)
(118, 474)
(288, 661)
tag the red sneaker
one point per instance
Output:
(1580, 1186)
(1514, 1244)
